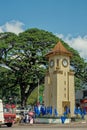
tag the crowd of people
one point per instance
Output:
(41, 110)
(26, 118)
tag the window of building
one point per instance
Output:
(64, 89)
(57, 62)
(85, 93)
(64, 82)
(64, 73)
(64, 95)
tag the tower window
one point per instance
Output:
(64, 89)
(64, 82)
(57, 62)
(64, 73)
(64, 95)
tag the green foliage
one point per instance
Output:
(33, 98)
(79, 66)
(25, 56)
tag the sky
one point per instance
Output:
(65, 18)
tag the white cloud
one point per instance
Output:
(12, 26)
(1, 30)
(79, 43)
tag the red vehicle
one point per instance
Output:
(9, 114)
(83, 103)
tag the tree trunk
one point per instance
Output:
(23, 96)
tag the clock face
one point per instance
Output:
(51, 63)
(65, 62)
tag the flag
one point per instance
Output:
(79, 111)
(84, 111)
(51, 110)
(36, 110)
(76, 111)
(43, 110)
(63, 118)
(55, 112)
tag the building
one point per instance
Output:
(80, 95)
(59, 80)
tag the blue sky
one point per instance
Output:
(65, 18)
(57, 16)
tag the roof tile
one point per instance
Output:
(59, 49)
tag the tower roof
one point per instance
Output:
(60, 50)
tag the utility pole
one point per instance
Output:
(38, 90)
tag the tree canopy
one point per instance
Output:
(24, 61)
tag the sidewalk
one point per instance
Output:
(79, 124)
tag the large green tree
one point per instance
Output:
(7, 77)
(31, 48)
(25, 57)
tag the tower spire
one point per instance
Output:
(60, 50)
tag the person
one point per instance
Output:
(83, 112)
(22, 119)
(27, 118)
(31, 120)
(67, 111)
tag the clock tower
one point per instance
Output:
(59, 80)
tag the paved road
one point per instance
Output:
(27, 128)
(78, 126)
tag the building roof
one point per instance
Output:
(59, 49)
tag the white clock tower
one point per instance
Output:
(59, 80)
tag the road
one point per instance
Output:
(27, 128)
(47, 127)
